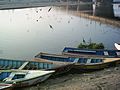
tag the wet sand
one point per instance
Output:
(107, 79)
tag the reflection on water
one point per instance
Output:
(26, 32)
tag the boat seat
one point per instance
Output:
(96, 60)
(9, 67)
(34, 67)
(27, 67)
(1, 67)
(31, 67)
(106, 53)
(5, 67)
(14, 67)
(118, 53)
(23, 65)
(88, 61)
(76, 60)
(93, 61)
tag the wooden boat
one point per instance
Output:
(117, 46)
(4, 86)
(6, 64)
(55, 57)
(82, 63)
(96, 63)
(90, 52)
(21, 78)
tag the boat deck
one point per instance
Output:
(54, 58)
(82, 55)
(90, 52)
(52, 62)
(106, 60)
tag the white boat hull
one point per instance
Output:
(31, 81)
(117, 46)
(5, 86)
(15, 79)
(25, 83)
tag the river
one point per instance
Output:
(26, 32)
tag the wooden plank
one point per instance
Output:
(106, 60)
(50, 62)
(24, 64)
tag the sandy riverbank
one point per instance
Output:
(107, 79)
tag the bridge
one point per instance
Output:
(101, 7)
(10, 4)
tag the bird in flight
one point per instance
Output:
(50, 26)
(49, 9)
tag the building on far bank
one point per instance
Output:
(103, 8)
(117, 1)
(116, 8)
(106, 8)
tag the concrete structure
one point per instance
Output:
(116, 1)
(103, 8)
(24, 1)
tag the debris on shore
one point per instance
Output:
(107, 79)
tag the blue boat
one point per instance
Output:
(22, 64)
(55, 57)
(90, 52)
(7, 64)
(82, 63)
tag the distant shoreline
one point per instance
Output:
(111, 21)
(20, 6)
(31, 5)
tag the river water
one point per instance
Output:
(26, 32)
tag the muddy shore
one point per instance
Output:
(106, 79)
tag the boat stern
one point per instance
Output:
(4, 86)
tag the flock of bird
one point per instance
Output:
(41, 16)
(50, 26)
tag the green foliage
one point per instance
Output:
(91, 45)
